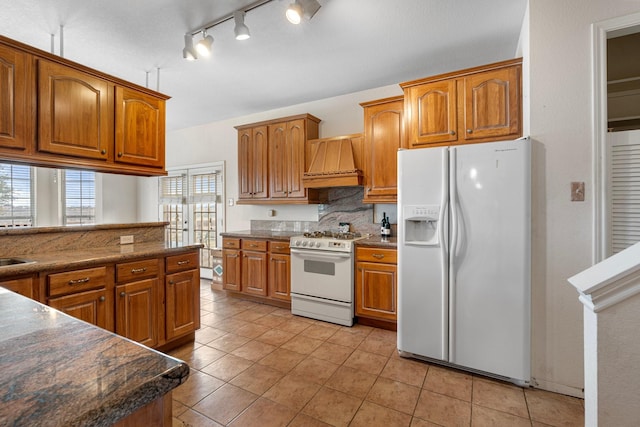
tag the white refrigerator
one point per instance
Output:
(464, 256)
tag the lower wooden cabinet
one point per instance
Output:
(231, 265)
(137, 311)
(279, 270)
(254, 267)
(182, 300)
(90, 306)
(23, 286)
(376, 283)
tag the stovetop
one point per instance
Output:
(326, 240)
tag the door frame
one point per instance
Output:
(600, 32)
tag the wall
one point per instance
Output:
(561, 122)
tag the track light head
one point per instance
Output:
(241, 30)
(189, 53)
(294, 13)
(300, 8)
(204, 46)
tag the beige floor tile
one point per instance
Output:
(225, 404)
(293, 325)
(449, 382)
(443, 410)
(347, 339)
(252, 330)
(177, 408)
(201, 356)
(197, 387)
(229, 342)
(227, 367)
(264, 413)
(384, 335)
(368, 362)
(275, 337)
(486, 417)
(316, 370)
(303, 420)
(332, 352)
(282, 360)
(358, 329)
(253, 350)
(320, 332)
(263, 308)
(231, 324)
(371, 414)
(292, 391)
(257, 379)
(351, 381)
(270, 320)
(500, 396)
(377, 346)
(193, 419)
(555, 409)
(206, 334)
(418, 422)
(394, 394)
(212, 319)
(248, 315)
(410, 372)
(333, 407)
(301, 344)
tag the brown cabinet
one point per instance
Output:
(383, 137)
(231, 265)
(475, 105)
(15, 89)
(376, 283)
(279, 283)
(252, 163)
(23, 286)
(138, 301)
(254, 267)
(90, 306)
(182, 295)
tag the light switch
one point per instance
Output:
(577, 191)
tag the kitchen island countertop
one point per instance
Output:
(56, 370)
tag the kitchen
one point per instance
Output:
(560, 246)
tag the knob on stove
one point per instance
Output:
(318, 244)
(304, 243)
(297, 243)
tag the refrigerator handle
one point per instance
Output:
(444, 252)
(455, 230)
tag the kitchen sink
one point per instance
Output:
(4, 262)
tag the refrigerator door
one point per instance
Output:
(422, 252)
(490, 191)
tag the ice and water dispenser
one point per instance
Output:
(421, 225)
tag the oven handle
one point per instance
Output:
(324, 255)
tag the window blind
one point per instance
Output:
(16, 196)
(79, 197)
(625, 193)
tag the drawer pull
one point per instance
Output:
(171, 282)
(184, 262)
(101, 299)
(122, 294)
(378, 256)
(253, 245)
(138, 270)
(78, 281)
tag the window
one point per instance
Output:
(171, 202)
(16, 196)
(79, 197)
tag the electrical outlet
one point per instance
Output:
(577, 191)
(126, 240)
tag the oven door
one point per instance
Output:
(323, 274)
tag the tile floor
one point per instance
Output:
(257, 365)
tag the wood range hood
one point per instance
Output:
(334, 162)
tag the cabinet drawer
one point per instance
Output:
(230, 243)
(278, 247)
(76, 281)
(185, 261)
(254, 245)
(135, 270)
(387, 256)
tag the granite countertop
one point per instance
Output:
(379, 242)
(59, 371)
(75, 259)
(374, 241)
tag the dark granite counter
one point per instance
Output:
(379, 242)
(261, 234)
(59, 371)
(74, 259)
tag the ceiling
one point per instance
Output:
(348, 46)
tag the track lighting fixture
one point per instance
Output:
(302, 8)
(241, 30)
(189, 53)
(204, 46)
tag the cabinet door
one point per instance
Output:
(90, 306)
(279, 276)
(231, 269)
(137, 312)
(254, 273)
(75, 113)
(376, 290)
(15, 125)
(252, 163)
(278, 161)
(182, 298)
(296, 136)
(22, 286)
(383, 136)
(140, 128)
(492, 104)
(431, 113)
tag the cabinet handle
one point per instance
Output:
(78, 281)
(138, 270)
(453, 132)
(171, 282)
(101, 299)
(184, 262)
(469, 130)
(103, 151)
(378, 256)
(120, 154)
(253, 245)
(122, 294)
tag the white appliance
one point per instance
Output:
(322, 265)
(464, 256)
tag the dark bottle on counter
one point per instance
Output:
(385, 227)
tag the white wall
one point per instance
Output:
(561, 120)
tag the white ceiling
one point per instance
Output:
(349, 45)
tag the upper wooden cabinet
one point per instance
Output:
(475, 105)
(15, 92)
(383, 137)
(271, 160)
(56, 113)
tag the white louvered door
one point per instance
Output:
(623, 202)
